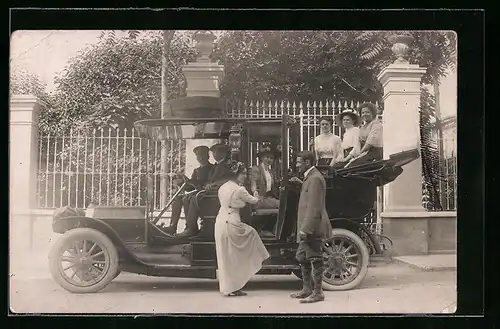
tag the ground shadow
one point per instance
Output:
(285, 283)
(388, 279)
(189, 285)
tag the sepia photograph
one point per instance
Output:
(233, 171)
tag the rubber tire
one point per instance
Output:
(117, 273)
(87, 234)
(365, 256)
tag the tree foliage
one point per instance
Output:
(434, 50)
(319, 65)
(430, 153)
(295, 66)
(23, 82)
(117, 81)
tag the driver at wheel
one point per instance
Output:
(221, 173)
(198, 180)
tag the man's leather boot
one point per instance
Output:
(306, 271)
(317, 276)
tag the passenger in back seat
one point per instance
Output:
(370, 136)
(263, 182)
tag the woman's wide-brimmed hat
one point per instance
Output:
(372, 107)
(265, 150)
(354, 116)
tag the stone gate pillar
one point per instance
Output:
(23, 153)
(203, 77)
(401, 83)
(403, 197)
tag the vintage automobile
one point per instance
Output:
(95, 247)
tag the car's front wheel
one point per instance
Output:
(84, 260)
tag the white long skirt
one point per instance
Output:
(240, 252)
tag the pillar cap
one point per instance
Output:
(193, 69)
(26, 99)
(401, 71)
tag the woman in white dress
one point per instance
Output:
(240, 251)
(327, 146)
(351, 145)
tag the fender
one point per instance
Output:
(62, 225)
(354, 226)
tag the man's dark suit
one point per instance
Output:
(312, 217)
(313, 226)
(220, 174)
(199, 178)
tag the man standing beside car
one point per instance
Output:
(313, 226)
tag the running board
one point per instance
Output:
(199, 272)
(278, 269)
(172, 271)
(288, 267)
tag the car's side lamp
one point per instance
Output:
(235, 139)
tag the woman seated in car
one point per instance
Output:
(327, 146)
(350, 141)
(370, 136)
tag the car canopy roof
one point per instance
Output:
(186, 128)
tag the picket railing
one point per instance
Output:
(105, 167)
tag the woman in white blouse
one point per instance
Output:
(327, 146)
(370, 136)
(350, 141)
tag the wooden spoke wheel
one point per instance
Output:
(84, 260)
(346, 260)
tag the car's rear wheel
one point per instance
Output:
(84, 260)
(346, 260)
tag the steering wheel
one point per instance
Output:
(185, 180)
